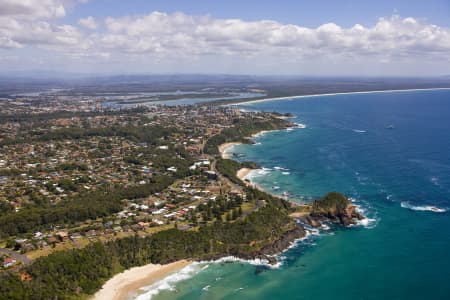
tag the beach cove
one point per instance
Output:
(126, 284)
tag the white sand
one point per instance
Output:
(122, 285)
(242, 173)
(224, 147)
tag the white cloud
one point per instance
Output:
(159, 38)
(40, 33)
(88, 22)
(178, 32)
(6, 42)
(32, 9)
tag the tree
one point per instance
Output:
(234, 214)
(194, 219)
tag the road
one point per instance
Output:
(19, 257)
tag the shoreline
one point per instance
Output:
(243, 173)
(334, 94)
(127, 283)
(224, 147)
(130, 281)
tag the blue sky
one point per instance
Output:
(321, 37)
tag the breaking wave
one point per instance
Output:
(169, 282)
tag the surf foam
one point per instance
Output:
(368, 222)
(168, 283)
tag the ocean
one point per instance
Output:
(389, 152)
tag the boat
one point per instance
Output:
(436, 209)
(390, 127)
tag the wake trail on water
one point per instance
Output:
(431, 208)
(359, 131)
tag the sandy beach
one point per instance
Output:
(224, 147)
(260, 133)
(242, 173)
(122, 285)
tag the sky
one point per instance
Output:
(283, 37)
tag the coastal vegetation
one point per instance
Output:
(332, 202)
(76, 273)
(229, 168)
(333, 206)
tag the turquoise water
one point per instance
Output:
(393, 174)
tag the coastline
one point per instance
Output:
(262, 132)
(127, 283)
(333, 94)
(224, 147)
(242, 174)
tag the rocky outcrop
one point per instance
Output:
(334, 207)
(313, 221)
(285, 241)
(267, 252)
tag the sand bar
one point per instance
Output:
(122, 285)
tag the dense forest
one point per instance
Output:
(141, 134)
(133, 133)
